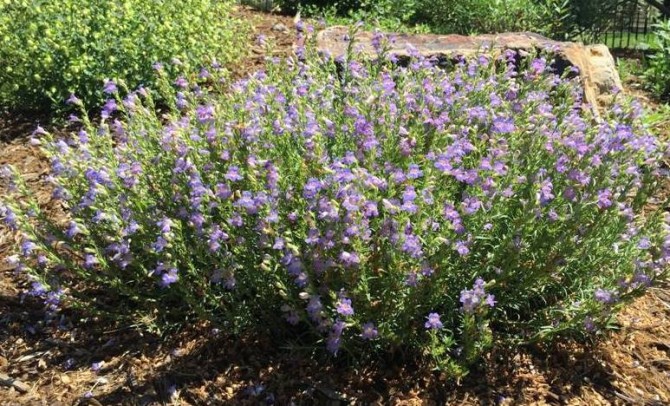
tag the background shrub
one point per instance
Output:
(657, 74)
(548, 17)
(366, 206)
(490, 16)
(51, 48)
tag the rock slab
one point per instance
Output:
(597, 70)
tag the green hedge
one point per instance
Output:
(51, 48)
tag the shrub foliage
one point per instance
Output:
(547, 17)
(493, 16)
(657, 74)
(367, 204)
(51, 48)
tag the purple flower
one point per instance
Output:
(433, 322)
(369, 332)
(604, 296)
(370, 209)
(204, 74)
(545, 194)
(165, 225)
(27, 248)
(97, 366)
(169, 277)
(412, 246)
(205, 114)
(9, 217)
(233, 174)
(90, 261)
(215, 238)
(472, 299)
(604, 199)
(312, 188)
(230, 282)
(312, 236)
(278, 244)
(349, 259)
(181, 82)
(37, 289)
(644, 243)
(502, 125)
(292, 317)
(462, 248)
(640, 279)
(181, 101)
(450, 213)
(471, 205)
(110, 87)
(589, 324)
(414, 172)
(69, 363)
(223, 191)
(197, 219)
(108, 108)
(538, 65)
(39, 131)
(72, 230)
(344, 307)
(412, 279)
(408, 197)
(409, 194)
(73, 99)
(314, 307)
(570, 194)
(333, 344)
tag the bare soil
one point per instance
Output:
(199, 366)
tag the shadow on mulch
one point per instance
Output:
(248, 370)
(201, 367)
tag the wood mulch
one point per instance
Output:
(49, 363)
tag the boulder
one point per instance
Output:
(595, 64)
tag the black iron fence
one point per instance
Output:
(631, 25)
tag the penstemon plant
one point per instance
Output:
(373, 205)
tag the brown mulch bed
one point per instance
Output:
(199, 366)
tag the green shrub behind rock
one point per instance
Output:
(51, 48)
(657, 75)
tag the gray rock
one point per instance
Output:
(597, 70)
(6, 380)
(279, 27)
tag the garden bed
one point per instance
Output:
(204, 366)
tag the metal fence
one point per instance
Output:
(631, 26)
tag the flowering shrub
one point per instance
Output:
(374, 205)
(51, 48)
